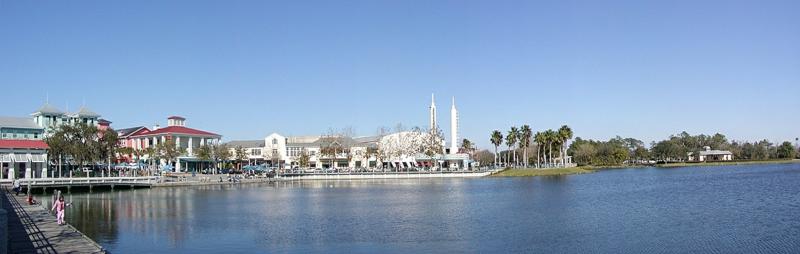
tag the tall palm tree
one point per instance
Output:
(517, 136)
(525, 141)
(467, 147)
(511, 139)
(539, 139)
(497, 140)
(564, 134)
(551, 137)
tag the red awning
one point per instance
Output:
(23, 144)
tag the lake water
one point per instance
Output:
(729, 209)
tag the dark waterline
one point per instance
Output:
(726, 209)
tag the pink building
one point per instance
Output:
(140, 138)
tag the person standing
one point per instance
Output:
(59, 206)
(16, 187)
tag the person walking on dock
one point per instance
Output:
(59, 206)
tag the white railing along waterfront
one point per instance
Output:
(139, 180)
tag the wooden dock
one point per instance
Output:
(31, 229)
(131, 182)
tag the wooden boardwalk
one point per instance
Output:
(31, 229)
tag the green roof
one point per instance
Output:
(48, 109)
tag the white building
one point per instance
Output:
(396, 150)
(711, 155)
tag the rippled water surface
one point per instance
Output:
(730, 209)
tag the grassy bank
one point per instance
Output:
(723, 163)
(544, 172)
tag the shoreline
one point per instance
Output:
(724, 163)
(534, 172)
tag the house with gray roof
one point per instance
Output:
(710, 155)
(49, 117)
(253, 148)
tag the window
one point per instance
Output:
(294, 151)
(255, 152)
(274, 141)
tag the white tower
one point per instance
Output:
(453, 128)
(433, 114)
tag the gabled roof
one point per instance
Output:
(23, 144)
(86, 112)
(124, 133)
(18, 122)
(177, 130)
(48, 109)
(328, 141)
(246, 143)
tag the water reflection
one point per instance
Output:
(736, 209)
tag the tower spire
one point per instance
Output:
(453, 128)
(432, 112)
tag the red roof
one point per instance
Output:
(175, 130)
(176, 117)
(23, 144)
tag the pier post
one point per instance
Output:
(112, 187)
(3, 225)
(3, 229)
(90, 188)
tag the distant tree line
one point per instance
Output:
(676, 148)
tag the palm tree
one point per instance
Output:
(550, 137)
(204, 153)
(517, 137)
(539, 139)
(511, 139)
(525, 141)
(564, 134)
(152, 156)
(466, 146)
(240, 154)
(497, 140)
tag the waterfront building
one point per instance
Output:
(185, 138)
(711, 155)
(253, 149)
(23, 153)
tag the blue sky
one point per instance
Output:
(244, 69)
